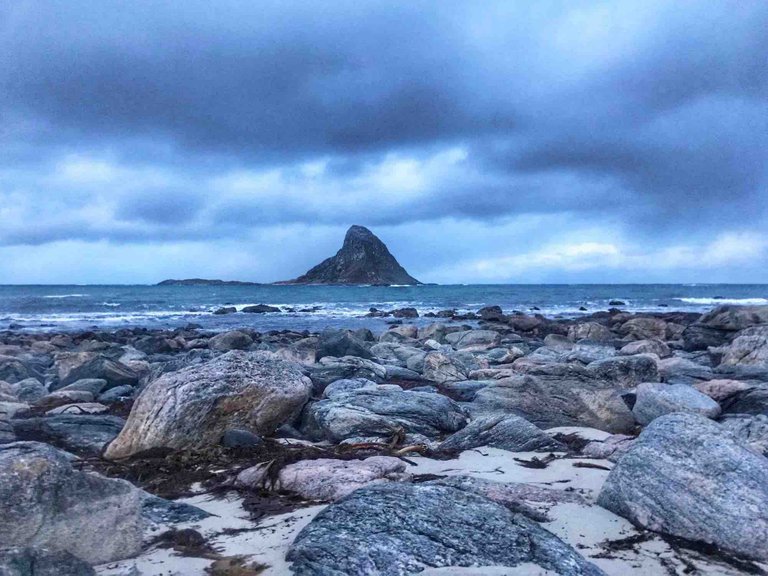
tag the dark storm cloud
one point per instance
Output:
(155, 121)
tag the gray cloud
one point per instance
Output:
(154, 123)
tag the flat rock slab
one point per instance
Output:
(396, 528)
(329, 479)
(87, 434)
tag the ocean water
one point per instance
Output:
(64, 308)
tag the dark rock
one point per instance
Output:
(233, 340)
(363, 259)
(734, 318)
(700, 337)
(225, 310)
(405, 313)
(115, 394)
(616, 303)
(235, 438)
(161, 511)
(339, 343)
(13, 370)
(260, 309)
(348, 367)
(394, 528)
(92, 385)
(29, 390)
(627, 371)
(491, 313)
(753, 401)
(687, 476)
(41, 562)
(464, 390)
(76, 366)
(81, 433)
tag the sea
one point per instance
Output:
(76, 307)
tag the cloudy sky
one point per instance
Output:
(482, 141)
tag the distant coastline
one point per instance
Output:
(206, 282)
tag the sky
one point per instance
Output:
(484, 142)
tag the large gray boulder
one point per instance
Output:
(551, 395)
(381, 412)
(734, 318)
(395, 529)
(473, 340)
(687, 476)
(654, 400)
(626, 371)
(45, 502)
(748, 348)
(25, 561)
(505, 431)
(192, 408)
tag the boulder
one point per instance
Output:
(507, 432)
(233, 340)
(26, 561)
(700, 337)
(330, 369)
(721, 389)
(464, 390)
(553, 395)
(45, 502)
(753, 401)
(381, 412)
(13, 370)
(327, 479)
(650, 346)
(116, 394)
(74, 366)
(751, 431)
(687, 476)
(191, 408)
(748, 348)
(610, 448)
(677, 370)
(473, 340)
(442, 367)
(654, 400)
(587, 351)
(83, 434)
(29, 390)
(590, 331)
(626, 371)
(644, 328)
(92, 385)
(734, 318)
(347, 385)
(491, 313)
(396, 528)
(340, 343)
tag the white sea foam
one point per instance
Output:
(65, 296)
(716, 301)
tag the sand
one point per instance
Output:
(586, 526)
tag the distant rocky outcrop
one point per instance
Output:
(205, 282)
(363, 259)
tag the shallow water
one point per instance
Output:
(77, 307)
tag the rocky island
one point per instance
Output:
(612, 443)
(362, 259)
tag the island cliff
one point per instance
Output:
(363, 259)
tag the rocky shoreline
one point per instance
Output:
(613, 443)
